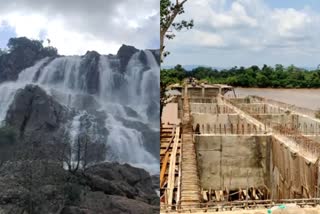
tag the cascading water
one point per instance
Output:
(8, 89)
(64, 79)
(143, 82)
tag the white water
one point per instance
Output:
(8, 89)
(143, 86)
(127, 143)
(63, 79)
(7, 92)
(74, 131)
(28, 74)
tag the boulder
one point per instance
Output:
(102, 188)
(90, 69)
(36, 116)
(123, 180)
(125, 53)
(99, 203)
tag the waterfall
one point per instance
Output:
(9, 89)
(106, 79)
(28, 74)
(150, 84)
(66, 80)
(133, 77)
(74, 131)
(63, 72)
(7, 92)
(127, 143)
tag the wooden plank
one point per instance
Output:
(172, 167)
(217, 193)
(221, 195)
(205, 195)
(163, 152)
(179, 177)
(171, 140)
(164, 146)
(163, 169)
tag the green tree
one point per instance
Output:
(168, 13)
(23, 43)
(279, 68)
(2, 51)
(262, 80)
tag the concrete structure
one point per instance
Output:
(202, 90)
(246, 149)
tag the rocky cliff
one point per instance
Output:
(66, 122)
(37, 187)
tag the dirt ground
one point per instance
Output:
(170, 114)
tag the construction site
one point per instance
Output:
(236, 154)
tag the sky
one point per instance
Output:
(248, 32)
(75, 26)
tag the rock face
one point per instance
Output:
(36, 116)
(68, 110)
(89, 69)
(104, 188)
(150, 137)
(156, 54)
(124, 53)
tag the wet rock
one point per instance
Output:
(150, 137)
(130, 112)
(155, 181)
(156, 53)
(89, 68)
(124, 53)
(36, 115)
(153, 111)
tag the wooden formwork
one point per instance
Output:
(170, 150)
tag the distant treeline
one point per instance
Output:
(267, 76)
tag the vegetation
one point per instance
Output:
(23, 43)
(2, 51)
(168, 13)
(253, 76)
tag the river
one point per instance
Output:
(307, 98)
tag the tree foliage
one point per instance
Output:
(168, 12)
(253, 76)
(2, 51)
(23, 43)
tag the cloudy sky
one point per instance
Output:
(246, 32)
(75, 26)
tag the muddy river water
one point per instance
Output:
(307, 98)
